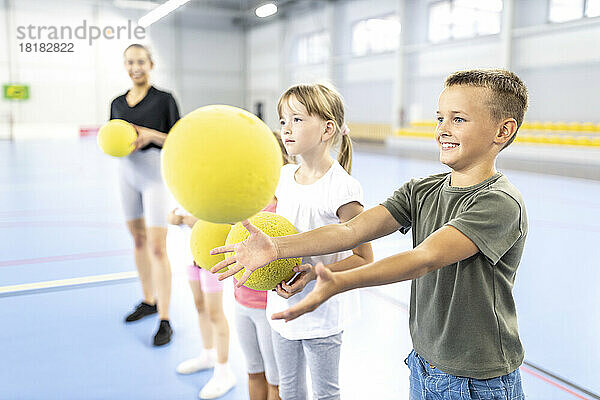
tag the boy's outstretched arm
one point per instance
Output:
(445, 246)
(259, 249)
(361, 255)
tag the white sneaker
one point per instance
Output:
(194, 365)
(217, 386)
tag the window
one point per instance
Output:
(375, 35)
(313, 48)
(592, 8)
(459, 19)
(569, 10)
(565, 10)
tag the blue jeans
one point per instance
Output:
(429, 383)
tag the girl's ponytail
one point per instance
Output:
(345, 155)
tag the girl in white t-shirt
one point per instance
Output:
(318, 191)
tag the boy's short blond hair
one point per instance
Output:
(509, 97)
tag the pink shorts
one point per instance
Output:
(208, 281)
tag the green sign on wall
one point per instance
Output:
(16, 92)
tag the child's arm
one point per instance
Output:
(259, 249)
(445, 246)
(173, 218)
(363, 254)
(189, 220)
(177, 219)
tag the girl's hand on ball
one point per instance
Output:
(327, 283)
(253, 253)
(307, 274)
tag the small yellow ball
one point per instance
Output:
(221, 163)
(267, 277)
(206, 236)
(115, 138)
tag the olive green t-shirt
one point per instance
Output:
(462, 316)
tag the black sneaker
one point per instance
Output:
(142, 310)
(163, 335)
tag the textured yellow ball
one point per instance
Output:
(267, 277)
(221, 163)
(206, 236)
(115, 138)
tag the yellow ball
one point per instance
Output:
(115, 138)
(221, 163)
(206, 236)
(267, 277)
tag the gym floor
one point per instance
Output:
(67, 279)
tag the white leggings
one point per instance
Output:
(254, 333)
(143, 193)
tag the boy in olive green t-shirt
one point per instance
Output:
(462, 316)
(468, 226)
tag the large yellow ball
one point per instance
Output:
(267, 277)
(221, 163)
(115, 138)
(206, 236)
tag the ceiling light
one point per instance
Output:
(266, 10)
(135, 4)
(160, 11)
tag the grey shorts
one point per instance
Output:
(143, 193)
(254, 333)
(323, 358)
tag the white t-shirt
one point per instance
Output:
(309, 207)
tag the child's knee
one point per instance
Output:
(200, 305)
(139, 239)
(158, 250)
(216, 316)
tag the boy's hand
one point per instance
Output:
(327, 285)
(307, 274)
(173, 218)
(253, 253)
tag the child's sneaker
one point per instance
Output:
(142, 310)
(193, 365)
(164, 333)
(222, 382)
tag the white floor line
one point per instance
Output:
(26, 287)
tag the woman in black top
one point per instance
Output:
(146, 201)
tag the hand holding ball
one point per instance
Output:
(267, 277)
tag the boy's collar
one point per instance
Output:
(449, 188)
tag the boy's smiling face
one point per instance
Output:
(466, 130)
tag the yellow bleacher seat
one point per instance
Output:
(588, 127)
(561, 126)
(548, 126)
(536, 125)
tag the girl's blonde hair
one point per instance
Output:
(326, 103)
